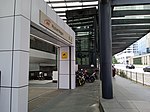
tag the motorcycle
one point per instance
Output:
(80, 80)
(90, 78)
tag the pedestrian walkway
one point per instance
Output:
(81, 99)
(128, 97)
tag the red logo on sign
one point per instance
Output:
(47, 22)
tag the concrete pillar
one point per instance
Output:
(106, 48)
(67, 68)
(14, 55)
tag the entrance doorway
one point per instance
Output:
(43, 64)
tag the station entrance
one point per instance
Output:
(47, 54)
(51, 59)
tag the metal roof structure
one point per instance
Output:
(130, 18)
(61, 6)
(129, 24)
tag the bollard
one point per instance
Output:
(136, 77)
(0, 78)
(131, 76)
(143, 78)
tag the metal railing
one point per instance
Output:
(143, 78)
(0, 78)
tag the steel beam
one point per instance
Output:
(83, 30)
(75, 6)
(129, 2)
(146, 26)
(130, 31)
(123, 13)
(80, 20)
(124, 39)
(70, 1)
(82, 24)
(129, 35)
(130, 21)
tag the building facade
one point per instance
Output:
(19, 21)
(144, 45)
(124, 56)
(141, 59)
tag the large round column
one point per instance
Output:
(105, 48)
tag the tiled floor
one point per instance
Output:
(128, 97)
(39, 87)
(81, 99)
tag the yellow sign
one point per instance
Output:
(64, 55)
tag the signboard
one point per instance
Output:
(64, 55)
(51, 25)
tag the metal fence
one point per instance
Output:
(143, 78)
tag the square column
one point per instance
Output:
(67, 68)
(14, 54)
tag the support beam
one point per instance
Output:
(141, 27)
(131, 31)
(81, 24)
(80, 20)
(130, 2)
(76, 6)
(70, 1)
(122, 13)
(130, 21)
(128, 35)
(106, 48)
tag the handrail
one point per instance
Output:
(138, 77)
(0, 78)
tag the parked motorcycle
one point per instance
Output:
(80, 80)
(90, 77)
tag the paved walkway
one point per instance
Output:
(128, 97)
(81, 99)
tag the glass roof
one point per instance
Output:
(60, 6)
(129, 23)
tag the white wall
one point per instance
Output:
(14, 54)
(46, 9)
(14, 49)
(64, 69)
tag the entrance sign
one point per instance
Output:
(51, 25)
(64, 55)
